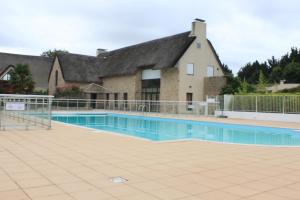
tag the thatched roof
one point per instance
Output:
(39, 66)
(79, 68)
(156, 54)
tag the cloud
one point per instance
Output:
(241, 31)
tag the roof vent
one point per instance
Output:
(100, 51)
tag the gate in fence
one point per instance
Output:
(25, 111)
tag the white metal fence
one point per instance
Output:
(289, 104)
(168, 107)
(25, 111)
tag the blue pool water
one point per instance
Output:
(160, 129)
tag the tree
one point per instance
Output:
(226, 70)
(232, 86)
(245, 87)
(21, 79)
(261, 85)
(51, 53)
(291, 73)
(276, 75)
(251, 71)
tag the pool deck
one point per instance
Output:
(68, 162)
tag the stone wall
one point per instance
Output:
(213, 85)
(122, 84)
(169, 84)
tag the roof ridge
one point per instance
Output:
(32, 56)
(149, 41)
(76, 54)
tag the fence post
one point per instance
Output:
(232, 105)
(256, 104)
(49, 112)
(283, 104)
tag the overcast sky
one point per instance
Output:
(241, 30)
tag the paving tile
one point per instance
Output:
(139, 196)
(286, 193)
(241, 191)
(148, 186)
(169, 194)
(91, 195)
(8, 185)
(266, 196)
(193, 189)
(217, 195)
(120, 190)
(55, 197)
(295, 186)
(76, 187)
(13, 195)
(28, 183)
(43, 191)
(259, 186)
(26, 175)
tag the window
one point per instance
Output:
(125, 98)
(116, 99)
(210, 71)
(56, 78)
(6, 77)
(190, 69)
(189, 101)
(107, 99)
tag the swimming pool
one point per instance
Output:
(162, 129)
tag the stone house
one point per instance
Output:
(181, 67)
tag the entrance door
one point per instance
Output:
(93, 100)
(189, 101)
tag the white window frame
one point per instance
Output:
(190, 69)
(6, 77)
(209, 72)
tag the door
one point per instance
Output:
(93, 100)
(189, 101)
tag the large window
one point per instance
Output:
(190, 69)
(210, 71)
(116, 99)
(125, 98)
(151, 89)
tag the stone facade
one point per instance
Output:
(169, 85)
(213, 85)
(201, 56)
(52, 82)
(122, 84)
(175, 83)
